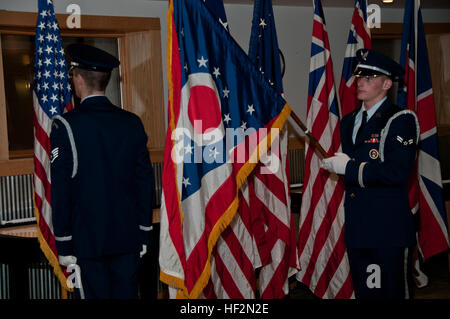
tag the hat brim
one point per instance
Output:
(80, 65)
(359, 72)
(370, 70)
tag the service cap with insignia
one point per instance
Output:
(372, 63)
(90, 58)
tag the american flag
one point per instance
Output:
(322, 252)
(425, 191)
(51, 96)
(358, 38)
(221, 112)
(272, 188)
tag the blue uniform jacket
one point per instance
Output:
(101, 181)
(377, 212)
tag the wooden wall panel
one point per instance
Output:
(17, 167)
(142, 82)
(26, 21)
(4, 148)
(438, 46)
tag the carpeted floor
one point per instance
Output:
(436, 268)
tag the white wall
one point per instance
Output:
(294, 27)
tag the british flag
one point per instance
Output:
(425, 191)
(358, 38)
(51, 96)
(223, 117)
(321, 248)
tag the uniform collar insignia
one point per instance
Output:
(364, 55)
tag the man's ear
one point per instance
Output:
(79, 79)
(387, 84)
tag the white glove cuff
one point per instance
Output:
(67, 260)
(143, 251)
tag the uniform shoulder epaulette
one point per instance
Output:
(385, 130)
(71, 140)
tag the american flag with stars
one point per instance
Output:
(221, 111)
(51, 96)
(322, 252)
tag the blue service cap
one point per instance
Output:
(90, 58)
(372, 63)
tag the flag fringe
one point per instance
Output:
(164, 277)
(48, 253)
(229, 214)
(169, 63)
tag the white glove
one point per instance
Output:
(67, 260)
(336, 164)
(143, 251)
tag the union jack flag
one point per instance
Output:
(358, 38)
(321, 248)
(51, 96)
(425, 185)
(213, 143)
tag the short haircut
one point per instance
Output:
(96, 81)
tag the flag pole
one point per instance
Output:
(314, 141)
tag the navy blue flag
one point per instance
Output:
(278, 227)
(263, 50)
(217, 9)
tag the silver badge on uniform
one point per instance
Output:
(373, 154)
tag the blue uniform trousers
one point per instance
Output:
(381, 273)
(109, 277)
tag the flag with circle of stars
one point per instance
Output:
(51, 96)
(51, 83)
(263, 48)
(212, 82)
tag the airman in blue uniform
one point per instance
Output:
(379, 144)
(102, 183)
